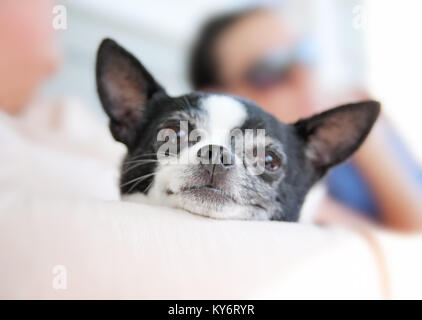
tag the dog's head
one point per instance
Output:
(218, 155)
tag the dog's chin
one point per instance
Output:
(206, 200)
(203, 200)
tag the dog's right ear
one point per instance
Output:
(334, 135)
(124, 87)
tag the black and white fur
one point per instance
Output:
(138, 108)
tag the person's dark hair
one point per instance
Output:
(203, 68)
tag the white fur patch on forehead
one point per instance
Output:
(224, 113)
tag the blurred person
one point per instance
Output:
(46, 140)
(29, 52)
(255, 54)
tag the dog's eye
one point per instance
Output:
(272, 161)
(180, 133)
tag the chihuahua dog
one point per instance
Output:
(218, 155)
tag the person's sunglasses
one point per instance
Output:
(278, 64)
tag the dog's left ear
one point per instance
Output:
(124, 87)
(332, 136)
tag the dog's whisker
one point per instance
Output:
(137, 180)
(141, 161)
(149, 186)
(145, 155)
(136, 165)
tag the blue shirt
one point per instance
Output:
(347, 185)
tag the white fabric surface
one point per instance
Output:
(127, 250)
(59, 206)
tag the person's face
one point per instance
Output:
(245, 43)
(28, 51)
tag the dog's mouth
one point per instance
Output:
(205, 193)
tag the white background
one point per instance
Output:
(376, 45)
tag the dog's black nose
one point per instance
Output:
(215, 158)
